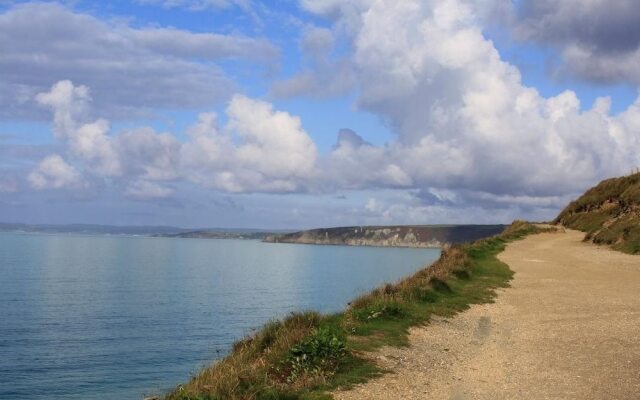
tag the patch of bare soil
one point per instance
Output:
(568, 328)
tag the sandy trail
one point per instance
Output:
(568, 328)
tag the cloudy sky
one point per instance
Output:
(295, 114)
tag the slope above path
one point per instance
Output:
(568, 328)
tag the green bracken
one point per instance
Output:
(307, 354)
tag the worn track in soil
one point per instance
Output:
(567, 328)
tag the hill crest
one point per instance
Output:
(609, 213)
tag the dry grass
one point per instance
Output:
(250, 370)
(453, 260)
(308, 353)
(609, 213)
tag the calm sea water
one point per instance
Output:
(98, 317)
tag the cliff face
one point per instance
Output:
(396, 236)
(609, 213)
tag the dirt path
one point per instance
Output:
(568, 328)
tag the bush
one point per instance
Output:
(318, 355)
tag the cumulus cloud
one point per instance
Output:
(599, 40)
(54, 173)
(469, 135)
(355, 164)
(130, 70)
(260, 149)
(463, 118)
(88, 141)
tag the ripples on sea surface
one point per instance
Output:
(101, 317)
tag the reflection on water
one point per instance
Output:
(99, 317)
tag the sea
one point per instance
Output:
(124, 317)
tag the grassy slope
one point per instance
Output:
(307, 354)
(609, 213)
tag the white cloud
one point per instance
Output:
(131, 70)
(69, 102)
(54, 173)
(470, 136)
(145, 190)
(273, 141)
(355, 164)
(463, 118)
(88, 141)
(259, 149)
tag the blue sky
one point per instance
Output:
(295, 114)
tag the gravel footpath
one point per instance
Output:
(568, 328)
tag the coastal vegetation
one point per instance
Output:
(308, 354)
(609, 213)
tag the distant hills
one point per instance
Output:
(397, 236)
(609, 213)
(219, 234)
(89, 229)
(156, 231)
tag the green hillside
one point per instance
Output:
(609, 213)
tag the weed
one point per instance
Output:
(317, 355)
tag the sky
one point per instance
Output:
(296, 114)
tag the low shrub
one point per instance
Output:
(317, 356)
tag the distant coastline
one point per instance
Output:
(418, 236)
(142, 230)
(308, 353)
